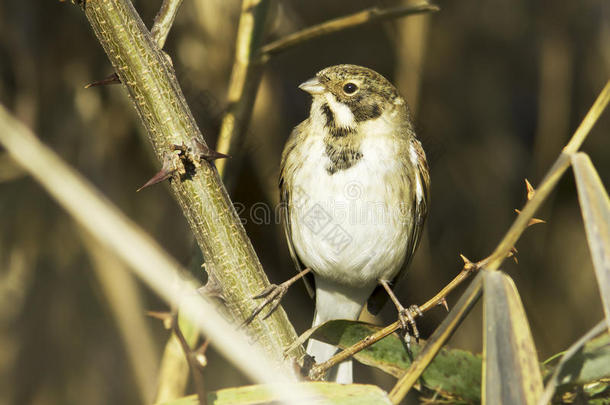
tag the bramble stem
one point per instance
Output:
(151, 84)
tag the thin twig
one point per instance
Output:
(192, 362)
(164, 21)
(319, 370)
(494, 260)
(369, 16)
(505, 246)
(437, 340)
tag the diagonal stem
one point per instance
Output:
(151, 84)
(562, 163)
(494, 260)
(364, 17)
(320, 369)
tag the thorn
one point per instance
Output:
(468, 265)
(204, 152)
(82, 3)
(199, 354)
(111, 79)
(532, 221)
(166, 317)
(167, 169)
(162, 175)
(530, 190)
(513, 253)
(443, 303)
(535, 221)
(465, 259)
(204, 347)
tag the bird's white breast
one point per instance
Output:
(348, 226)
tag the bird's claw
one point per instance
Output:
(270, 288)
(407, 316)
(273, 294)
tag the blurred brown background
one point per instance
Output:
(496, 87)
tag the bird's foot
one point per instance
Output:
(273, 294)
(407, 316)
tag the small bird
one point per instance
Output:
(354, 187)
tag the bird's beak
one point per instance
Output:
(313, 86)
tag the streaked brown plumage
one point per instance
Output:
(356, 149)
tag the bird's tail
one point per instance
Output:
(335, 302)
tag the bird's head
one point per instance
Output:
(347, 95)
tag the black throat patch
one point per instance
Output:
(341, 155)
(342, 144)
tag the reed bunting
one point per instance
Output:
(354, 186)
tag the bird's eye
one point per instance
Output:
(350, 88)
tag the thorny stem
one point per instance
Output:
(151, 83)
(358, 19)
(504, 248)
(438, 338)
(562, 163)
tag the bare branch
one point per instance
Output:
(439, 299)
(164, 21)
(494, 261)
(160, 30)
(369, 16)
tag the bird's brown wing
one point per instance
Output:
(287, 167)
(419, 214)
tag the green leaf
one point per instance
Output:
(591, 363)
(453, 373)
(585, 362)
(595, 208)
(511, 372)
(329, 393)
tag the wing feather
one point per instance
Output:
(287, 167)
